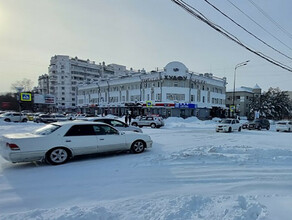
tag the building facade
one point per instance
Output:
(172, 91)
(238, 101)
(65, 73)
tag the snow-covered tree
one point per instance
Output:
(274, 104)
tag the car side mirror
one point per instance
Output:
(122, 133)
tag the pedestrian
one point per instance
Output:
(126, 118)
(130, 118)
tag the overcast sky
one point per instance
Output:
(144, 34)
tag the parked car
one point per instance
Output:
(152, 121)
(119, 125)
(259, 124)
(228, 125)
(57, 142)
(245, 125)
(284, 126)
(44, 118)
(13, 117)
(59, 117)
(30, 116)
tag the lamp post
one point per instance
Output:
(237, 66)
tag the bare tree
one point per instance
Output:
(25, 84)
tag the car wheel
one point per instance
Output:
(277, 130)
(289, 129)
(7, 120)
(24, 120)
(268, 128)
(57, 156)
(217, 131)
(134, 124)
(239, 129)
(229, 129)
(259, 128)
(138, 147)
(153, 125)
(140, 126)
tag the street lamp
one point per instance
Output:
(237, 66)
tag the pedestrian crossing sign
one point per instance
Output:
(25, 97)
(148, 104)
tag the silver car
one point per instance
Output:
(152, 121)
(58, 142)
(119, 125)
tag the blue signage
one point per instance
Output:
(185, 105)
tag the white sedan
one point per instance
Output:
(228, 125)
(284, 126)
(56, 143)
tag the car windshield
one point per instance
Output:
(46, 130)
(225, 121)
(282, 123)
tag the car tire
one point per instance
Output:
(138, 147)
(57, 156)
(229, 129)
(7, 120)
(24, 120)
(152, 125)
(140, 126)
(239, 129)
(277, 130)
(134, 124)
(268, 128)
(259, 127)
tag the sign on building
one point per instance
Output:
(185, 105)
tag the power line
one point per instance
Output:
(194, 12)
(259, 25)
(271, 19)
(225, 15)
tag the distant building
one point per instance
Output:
(43, 84)
(172, 91)
(65, 73)
(238, 101)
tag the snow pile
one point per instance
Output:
(191, 122)
(164, 207)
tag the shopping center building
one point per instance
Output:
(173, 91)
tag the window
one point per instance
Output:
(80, 130)
(48, 129)
(104, 130)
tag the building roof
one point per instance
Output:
(257, 87)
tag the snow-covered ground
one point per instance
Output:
(191, 172)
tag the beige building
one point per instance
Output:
(238, 101)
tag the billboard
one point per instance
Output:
(44, 99)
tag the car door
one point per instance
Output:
(149, 121)
(81, 139)
(15, 117)
(109, 139)
(237, 123)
